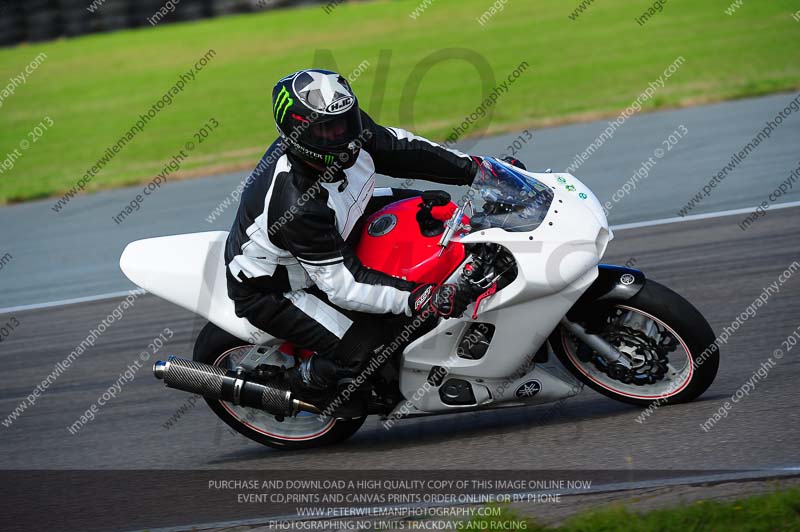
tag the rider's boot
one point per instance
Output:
(322, 382)
(312, 380)
(350, 400)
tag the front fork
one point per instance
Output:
(610, 353)
(613, 283)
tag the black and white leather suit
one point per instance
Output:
(292, 271)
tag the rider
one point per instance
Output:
(291, 268)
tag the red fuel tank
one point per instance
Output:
(392, 242)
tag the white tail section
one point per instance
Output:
(189, 270)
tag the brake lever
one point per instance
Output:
(490, 292)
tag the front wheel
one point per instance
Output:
(305, 430)
(671, 347)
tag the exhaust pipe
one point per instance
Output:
(214, 382)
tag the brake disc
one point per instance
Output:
(649, 362)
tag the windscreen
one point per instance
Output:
(507, 198)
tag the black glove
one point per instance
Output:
(445, 301)
(513, 162)
(480, 170)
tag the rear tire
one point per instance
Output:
(211, 344)
(693, 332)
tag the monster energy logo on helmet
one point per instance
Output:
(329, 159)
(282, 104)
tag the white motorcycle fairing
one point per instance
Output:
(556, 262)
(189, 270)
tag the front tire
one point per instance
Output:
(216, 347)
(688, 369)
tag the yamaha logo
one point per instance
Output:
(528, 389)
(627, 279)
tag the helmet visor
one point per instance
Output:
(332, 133)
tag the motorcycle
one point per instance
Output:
(550, 318)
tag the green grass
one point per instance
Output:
(777, 511)
(94, 87)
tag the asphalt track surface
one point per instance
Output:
(716, 266)
(713, 263)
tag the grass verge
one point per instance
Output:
(777, 511)
(94, 88)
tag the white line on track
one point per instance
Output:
(73, 301)
(692, 217)
(621, 227)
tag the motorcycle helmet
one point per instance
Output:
(318, 117)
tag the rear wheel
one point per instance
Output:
(669, 343)
(216, 347)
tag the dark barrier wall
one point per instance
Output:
(39, 20)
